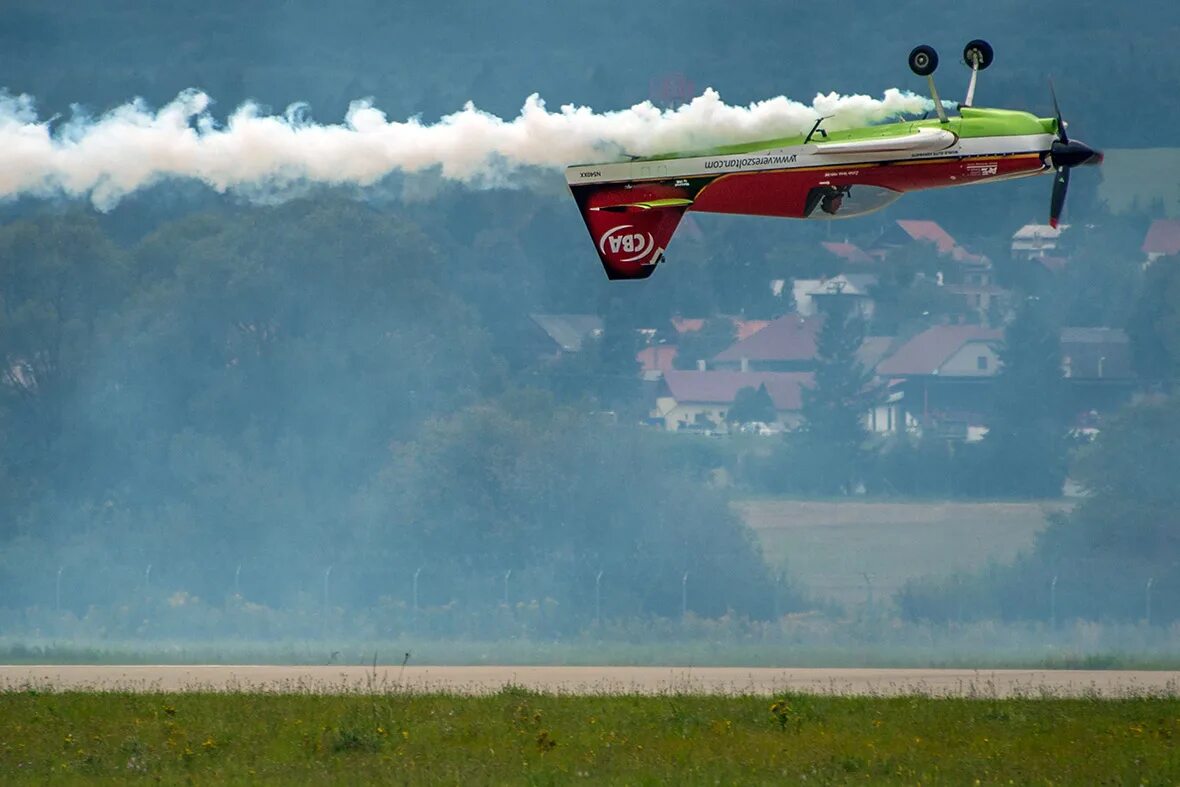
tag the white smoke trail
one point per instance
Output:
(133, 146)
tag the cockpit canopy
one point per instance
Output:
(842, 202)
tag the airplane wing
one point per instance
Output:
(920, 141)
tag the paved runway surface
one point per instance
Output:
(596, 680)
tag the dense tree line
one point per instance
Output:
(276, 393)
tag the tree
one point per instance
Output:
(1129, 473)
(750, 405)
(1154, 326)
(1099, 286)
(831, 442)
(1025, 451)
(60, 278)
(488, 489)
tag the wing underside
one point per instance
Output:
(921, 140)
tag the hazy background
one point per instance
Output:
(333, 417)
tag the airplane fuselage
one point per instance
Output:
(766, 178)
(840, 175)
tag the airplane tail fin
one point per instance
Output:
(630, 227)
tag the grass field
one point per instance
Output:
(795, 641)
(521, 737)
(831, 546)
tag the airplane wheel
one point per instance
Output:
(979, 49)
(923, 60)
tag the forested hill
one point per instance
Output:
(197, 389)
(1116, 65)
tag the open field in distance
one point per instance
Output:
(829, 546)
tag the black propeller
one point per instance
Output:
(1065, 154)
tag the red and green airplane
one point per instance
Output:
(632, 208)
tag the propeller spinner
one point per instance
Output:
(1065, 154)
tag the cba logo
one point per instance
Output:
(619, 241)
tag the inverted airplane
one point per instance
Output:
(632, 208)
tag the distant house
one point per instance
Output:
(1097, 364)
(695, 399)
(1037, 240)
(979, 298)
(926, 232)
(742, 328)
(966, 273)
(1163, 239)
(849, 253)
(801, 293)
(784, 345)
(906, 232)
(944, 376)
(852, 289)
(657, 359)
(559, 334)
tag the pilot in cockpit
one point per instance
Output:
(827, 198)
(831, 202)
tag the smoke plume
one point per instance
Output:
(105, 158)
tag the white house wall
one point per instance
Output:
(965, 362)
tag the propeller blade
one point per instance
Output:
(1061, 133)
(1060, 187)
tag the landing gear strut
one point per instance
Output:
(923, 62)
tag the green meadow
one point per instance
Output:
(521, 737)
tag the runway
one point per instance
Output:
(594, 680)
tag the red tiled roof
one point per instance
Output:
(928, 231)
(688, 324)
(933, 347)
(959, 254)
(789, 338)
(847, 251)
(747, 328)
(743, 328)
(872, 350)
(1163, 237)
(720, 387)
(657, 358)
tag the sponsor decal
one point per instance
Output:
(682, 183)
(750, 162)
(619, 241)
(936, 154)
(983, 170)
